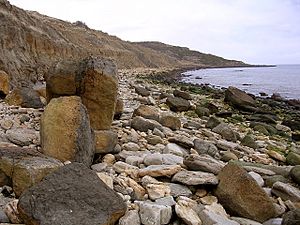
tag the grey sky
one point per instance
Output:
(255, 31)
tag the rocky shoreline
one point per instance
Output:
(175, 154)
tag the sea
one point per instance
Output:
(281, 79)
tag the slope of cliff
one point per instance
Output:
(31, 42)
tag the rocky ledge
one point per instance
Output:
(175, 154)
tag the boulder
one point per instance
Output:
(286, 191)
(141, 124)
(293, 159)
(226, 132)
(24, 97)
(239, 98)
(195, 178)
(159, 170)
(170, 121)
(291, 218)
(119, 109)
(65, 131)
(182, 94)
(240, 195)
(142, 91)
(71, 195)
(147, 112)
(4, 84)
(22, 137)
(178, 104)
(205, 147)
(202, 111)
(212, 122)
(94, 80)
(249, 141)
(105, 141)
(295, 174)
(131, 217)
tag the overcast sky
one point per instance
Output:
(255, 31)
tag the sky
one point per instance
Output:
(254, 31)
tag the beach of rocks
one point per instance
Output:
(174, 154)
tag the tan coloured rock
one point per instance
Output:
(170, 121)
(105, 141)
(147, 112)
(24, 97)
(94, 80)
(65, 131)
(159, 170)
(4, 84)
(119, 108)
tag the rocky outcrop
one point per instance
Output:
(80, 198)
(94, 80)
(65, 131)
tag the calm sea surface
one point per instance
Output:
(282, 79)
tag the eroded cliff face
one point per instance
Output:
(30, 43)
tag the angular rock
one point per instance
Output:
(159, 170)
(147, 112)
(205, 147)
(179, 190)
(295, 174)
(202, 111)
(170, 121)
(187, 214)
(203, 163)
(131, 217)
(4, 84)
(212, 122)
(182, 141)
(209, 217)
(94, 80)
(154, 214)
(293, 159)
(238, 98)
(286, 191)
(178, 104)
(65, 131)
(142, 91)
(141, 124)
(12, 213)
(174, 149)
(245, 221)
(169, 201)
(226, 132)
(25, 97)
(291, 218)
(131, 146)
(195, 178)
(105, 141)
(157, 191)
(76, 200)
(22, 137)
(239, 193)
(182, 94)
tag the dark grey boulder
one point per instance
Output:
(71, 195)
(178, 104)
(291, 218)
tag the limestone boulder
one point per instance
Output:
(24, 97)
(65, 131)
(4, 84)
(94, 80)
(71, 195)
(240, 195)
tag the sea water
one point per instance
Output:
(282, 79)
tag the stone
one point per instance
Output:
(195, 178)
(119, 109)
(105, 141)
(168, 200)
(22, 137)
(202, 111)
(286, 191)
(249, 141)
(204, 163)
(182, 141)
(178, 104)
(226, 132)
(131, 217)
(276, 155)
(295, 174)
(154, 140)
(240, 194)
(65, 131)
(12, 213)
(24, 97)
(159, 170)
(122, 167)
(4, 180)
(244, 221)
(147, 112)
(30, 171)
(208, 200)
(187, 214)
(209, 217)
(179, 190)
(4, 84)
(274, 221)
(6, 124)
(238, 98)
(293, 158)
(107, 179)
(131, 146)
(158, 190)
(141, 124)
(138, 190)
(228, 155)
(182, 94)
(212, 122)
(259, 180)
(142, 91)
(3, 218)
(170, 121)
(205, 147)
(153, 159)
(174, 149)
(76, 200)
(94, 79)
(291, 218)
(154, 214)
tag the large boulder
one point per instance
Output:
(4, 84)
(65, 131)
(170, 121)
(147, 112)
(105, 141)
(141, 124)
(241, 195)
(291, 218)
(94, 80)
(239, 98)
(71, 195)
(178, 104)
(24, 97)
